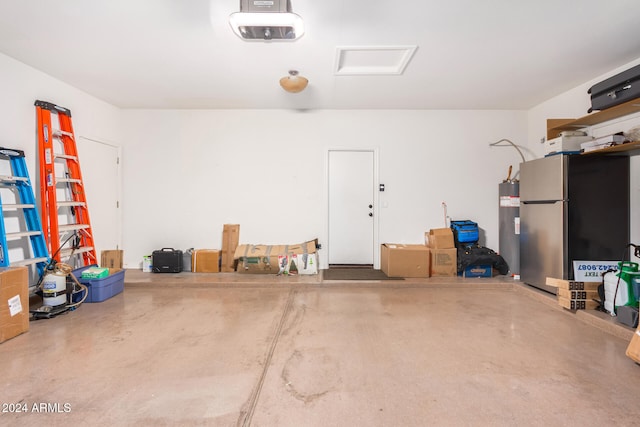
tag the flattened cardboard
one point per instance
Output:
(263, 259)
(230, 239)
(259, 265)
(275, 250)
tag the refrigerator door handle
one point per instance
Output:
(541, 202)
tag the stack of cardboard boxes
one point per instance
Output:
(436, 258)
(443, 252)
(575, 295)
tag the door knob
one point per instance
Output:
(370, 206)
(370, 213)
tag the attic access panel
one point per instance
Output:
(372, 60)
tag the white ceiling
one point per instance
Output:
(472, 54)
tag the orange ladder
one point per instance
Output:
(65, 216)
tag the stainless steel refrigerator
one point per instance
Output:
(573, 208)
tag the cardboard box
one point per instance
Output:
(14, 302)
(565, 144)
(572, 285)
(264, 258)
(230, 239)
(111, 258)
(444, 262)
(577, 304)
(573, 294)
(398, 260)
(439, 238)
(633, 350)
(478, 271)
(205, 261)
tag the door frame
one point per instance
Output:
(119, 185)
(324, 262)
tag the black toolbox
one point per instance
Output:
(166, 260)
(615, 90)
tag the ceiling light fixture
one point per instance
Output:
(294, 83)
(266, 20)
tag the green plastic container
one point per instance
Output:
(95, 273)
(618, 291)
(627, 269)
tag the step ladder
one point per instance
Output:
(23, 205)
(65, 216)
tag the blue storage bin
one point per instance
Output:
(465, 231)
(101, 289)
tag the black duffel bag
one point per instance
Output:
(479, 255)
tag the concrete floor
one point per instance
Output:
(236, 350)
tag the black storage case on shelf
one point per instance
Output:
(615, 90)
(166, 260)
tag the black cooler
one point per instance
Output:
(166, 260)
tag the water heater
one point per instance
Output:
(509, 225)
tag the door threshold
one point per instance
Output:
(365, 266)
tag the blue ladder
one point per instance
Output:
(25, 202)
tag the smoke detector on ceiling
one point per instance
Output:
(266, 20)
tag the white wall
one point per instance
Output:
(189, 172)
(20, 87)
(186, 173)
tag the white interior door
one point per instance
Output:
(351, 207)
(100, 167)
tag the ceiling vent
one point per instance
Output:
(266, 20)
(373, 60)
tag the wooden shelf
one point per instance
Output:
(555, 126)
(622, 148)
